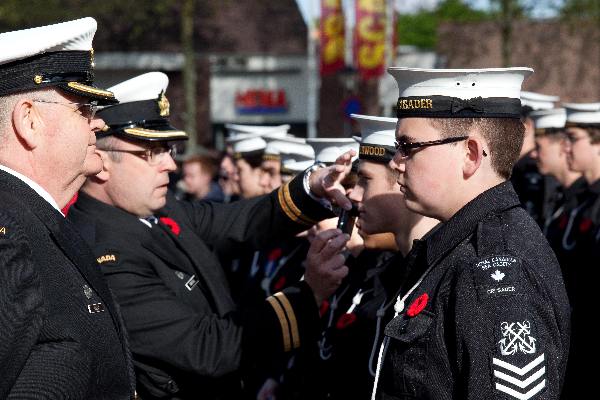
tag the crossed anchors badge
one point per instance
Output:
(516, 338)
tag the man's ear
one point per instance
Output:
(28, 123)
(104, 175)
(474, 155)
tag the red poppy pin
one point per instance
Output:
(418, 305)
(323, 308)
(170, 222)
(585, 225)
(345, 320)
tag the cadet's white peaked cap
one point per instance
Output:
(247, 144)
(378, 135)
(292, 167)
(327, 150)
(58, 55)
(538, 101)
(582, 114)
(143, 110)
(549, 121)
(262, 129)
(288, 145)
(459, 93)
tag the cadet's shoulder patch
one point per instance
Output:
(108, 258)
(498, 275)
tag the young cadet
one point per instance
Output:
(531, 186)
(582, 237)
(61, 333)
(158, 255)
(486, 314)
(551, 156)
(365, 301)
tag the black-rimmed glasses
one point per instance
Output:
(404, 149)
(87, 110)
(153, 156)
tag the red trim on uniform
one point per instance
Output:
(418, 305)
(346, 320)
(585, 225)
(170, 222)
(65, 209)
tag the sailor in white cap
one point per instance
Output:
(581, 243)
(551, 157)
(531, 186)
(366, 298)
(248, 150)
(161, 257)
(61, 331)
(327, 150)
(485, 299)
(279, 150)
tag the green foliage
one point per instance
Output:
(420, 29)
(581, 9)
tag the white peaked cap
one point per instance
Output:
(147, 86)
(376, 130)
(549, 119)
(65, 36)
(582, 113)
(538, 101)
(295, 167)
(262, 129)
(327, 150)
(247, 143)
(288, 145)
(460, 83)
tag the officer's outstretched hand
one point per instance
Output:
(327, 182)
(325, 267)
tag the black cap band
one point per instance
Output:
(376, 153)
(132, 113)
(453, 107)
(582, 125)
(72, 71)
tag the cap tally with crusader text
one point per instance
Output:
(582, 115)
(59, 56)
(247, 145)
(537, 101)
(548, 122)
(327, 150)
(143, 111)
(378, 137)
(459, 93)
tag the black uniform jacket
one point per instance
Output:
(186, 333)
(61, 336)
(490, 318)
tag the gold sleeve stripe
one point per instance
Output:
(291, 317)
(284, 206)
(288, 197)
(285, 329)
(290, 208)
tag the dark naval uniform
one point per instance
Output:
(61, 334)
(186, 333)
(583, 271)
(529, 185)
(485, 317)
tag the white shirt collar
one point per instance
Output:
(37, 188)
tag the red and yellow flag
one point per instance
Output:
(370, 37)
(332, 36)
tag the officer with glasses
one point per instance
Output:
(160, 256)
(484, 313)
(60, 329)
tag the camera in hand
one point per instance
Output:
(347, 218)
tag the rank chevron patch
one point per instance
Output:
(516, 378)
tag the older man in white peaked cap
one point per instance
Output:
(483, 313)
(61, 332)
